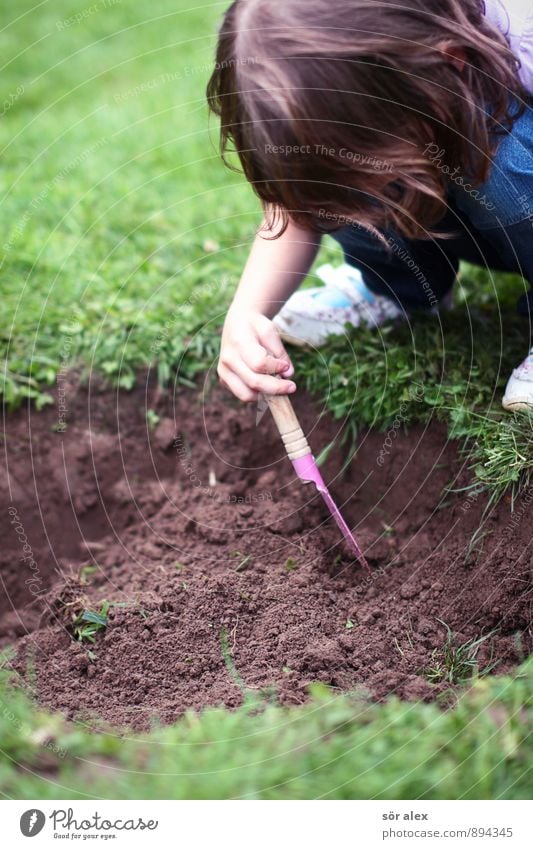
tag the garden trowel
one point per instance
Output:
(304, 463)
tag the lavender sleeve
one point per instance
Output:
(514, 18)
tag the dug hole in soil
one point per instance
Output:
(225, 574)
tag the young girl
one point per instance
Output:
(401, 127)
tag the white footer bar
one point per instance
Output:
(258, 824)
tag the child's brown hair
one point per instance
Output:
(332, 106)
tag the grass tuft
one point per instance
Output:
(88, 623)
(458, 664)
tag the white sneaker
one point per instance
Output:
(519, 389)
(311, 315)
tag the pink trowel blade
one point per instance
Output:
(308, 472)
(299, 453)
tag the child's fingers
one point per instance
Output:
(259, 359)
(264, 383)
(235, 385)
(270, 338)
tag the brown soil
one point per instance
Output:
(225, 572)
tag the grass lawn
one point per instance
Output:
(336, 747)
(122, 239)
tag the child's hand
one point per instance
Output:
(250, 353)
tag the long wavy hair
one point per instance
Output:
(332, 107)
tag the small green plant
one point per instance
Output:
(245, 560)
(152, 419)
(229, 662)
(324, 454)
(86, 572)
(349, 625)
(87, 624)
(289, 565)
(457, 664)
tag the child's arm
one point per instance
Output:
(251, 349)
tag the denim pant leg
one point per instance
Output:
(489, 225)
(416, 275)
(504, 216)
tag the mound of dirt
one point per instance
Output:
(225, 574)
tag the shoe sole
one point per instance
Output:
(511, 406)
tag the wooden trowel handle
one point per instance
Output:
(293, 437)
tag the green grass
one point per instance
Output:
(109, 196)
(122, 240)
(435, 369)
(339, 747)
(88, 623)
(458, 663)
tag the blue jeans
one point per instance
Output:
(489, 225)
